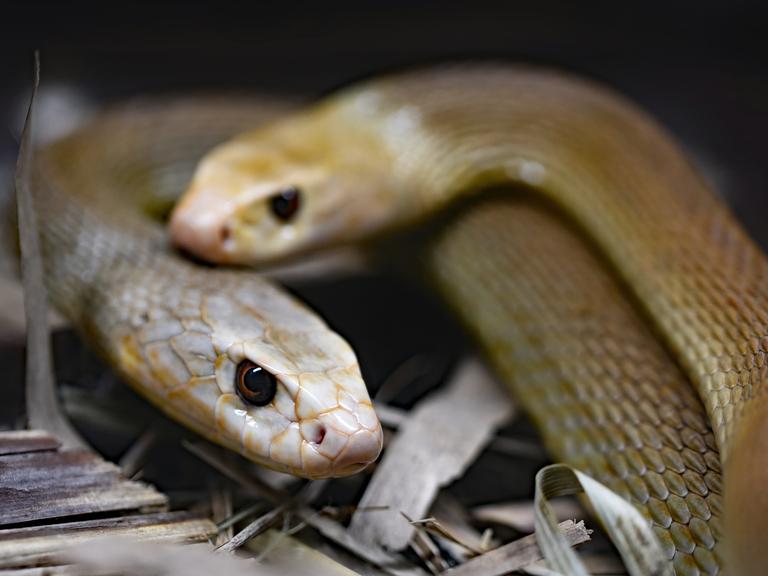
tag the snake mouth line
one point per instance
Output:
(350, 469)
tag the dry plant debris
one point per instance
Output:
(442, 436)
(627, 528)
(427, 538)
(48, 483)
(53, 497)
(517, 554)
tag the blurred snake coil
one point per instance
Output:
(615, 294)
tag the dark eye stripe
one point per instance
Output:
(286, 203)
(254, 384)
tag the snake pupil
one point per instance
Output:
(286, 203)
(254, 384)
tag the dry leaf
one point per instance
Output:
(442, 436)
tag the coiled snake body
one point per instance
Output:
(641, 390)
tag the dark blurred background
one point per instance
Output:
(700, 68)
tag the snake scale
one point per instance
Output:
(635, 334)
(615, 293)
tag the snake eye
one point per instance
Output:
(286, 203)
(254, 384)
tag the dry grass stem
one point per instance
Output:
(517, 554)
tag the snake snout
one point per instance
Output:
(362, 449)
(203, 237)
(346, 441)
(200, 225)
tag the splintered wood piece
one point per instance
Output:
(35, 545)
(40, 481)
(18, 441)
(118, 497)
(442, 436)
(54, 484)
(517, 554)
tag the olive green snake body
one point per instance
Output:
(640, 352)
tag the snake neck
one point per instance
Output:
(700, 280)
(616, 174)
(86, 241)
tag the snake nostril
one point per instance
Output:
(320, 434)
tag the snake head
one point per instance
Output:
(251, 368)
(280, 191)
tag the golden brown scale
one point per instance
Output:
(606, 396)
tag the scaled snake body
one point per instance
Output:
(611, 380)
